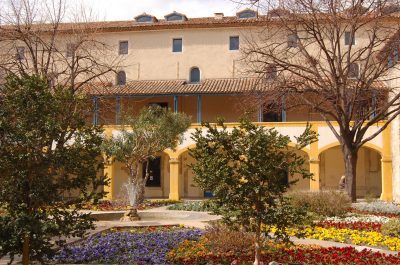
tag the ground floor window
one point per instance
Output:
(154, 179)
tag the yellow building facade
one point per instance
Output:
(195, 66)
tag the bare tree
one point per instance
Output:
(335, 58)
(35, 39)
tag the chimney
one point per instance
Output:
(218, 15)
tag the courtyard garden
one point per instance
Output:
(373, 224)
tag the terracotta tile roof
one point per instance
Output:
(132, 25)
(182, 87)
(167, 87)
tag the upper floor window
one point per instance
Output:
(177, 45)
(393, 57)
(234, 43)
(175, 16)
(145, 18)
(292, 41)
(247, 13)
(123, 47)
(20, 53)
(194, 75)
(271, 72)
(70, 50)
(121, 78)
(354, 70)
(349, 38)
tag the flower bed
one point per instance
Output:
(198, 253)
(127, 246)
(378, 208)
(352, 217)
(122, 205)
(380, 214)
(356, 237)
(363, 226)
(198, 206)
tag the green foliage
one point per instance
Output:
(197, 206)
(322, 203)
(146, 136)
(47, 153)
(391, 228)
(246, 168)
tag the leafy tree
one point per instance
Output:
(146, 135)
(335, 58)
(47, 154)
(247, 170)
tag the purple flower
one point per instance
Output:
(124, 247)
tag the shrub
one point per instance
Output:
(378, 207)
(197, 206)
(324, 203)
(221, 239)
(391, 228)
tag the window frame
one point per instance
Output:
(120, 50)
(347, 37)
(271, 72)
(118, 78)
(181, 45)
(231, 43)
(292, 40)
(190, 75)
(351, 71)
(20, 53)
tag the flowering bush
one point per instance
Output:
(364, 226)
(378, 207)
(126, 247)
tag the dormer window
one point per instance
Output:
(145, 18)
(121, 78)
(247, 13)
(194, 75)
(175, 16)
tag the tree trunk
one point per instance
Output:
(350, 171)
(257, 247)
(26, 250)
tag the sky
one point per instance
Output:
(128, 9)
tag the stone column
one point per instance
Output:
(314, 163)
(386, 162)
(395, 144)
(175, 182)
(109, 171)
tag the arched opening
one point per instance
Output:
(121, 78)
(368, 180)
(194, 75)
(157, 185)
(302, 184)
(189, 188)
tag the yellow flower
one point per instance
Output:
(243, 158)
(243, 180)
